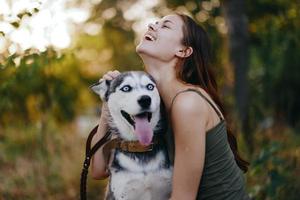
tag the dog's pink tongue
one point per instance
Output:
(143, 130)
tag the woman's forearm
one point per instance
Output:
(98, 165)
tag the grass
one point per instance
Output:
(43, 162)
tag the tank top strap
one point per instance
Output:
(204, 97)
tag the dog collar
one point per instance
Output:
(131, 146)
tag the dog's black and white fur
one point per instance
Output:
(136, 176)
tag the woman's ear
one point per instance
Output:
(184, 53)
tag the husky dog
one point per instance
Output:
(136, 117)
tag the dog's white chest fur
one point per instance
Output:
(147, 182)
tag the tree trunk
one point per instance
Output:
(237, 23)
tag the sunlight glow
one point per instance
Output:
(141, 13)
(92, 28)
(52, 25)
(202, 16)
(60, 37)
(4, 8)
(109, 13)
(207, 5)
(140, 9)
(2, 45)
(21, 37)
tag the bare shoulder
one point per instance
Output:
(189, 103)
(189, 106)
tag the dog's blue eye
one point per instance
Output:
(126, 88)
(150, 86)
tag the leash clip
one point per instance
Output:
(86, 163)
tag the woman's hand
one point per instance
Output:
(110, 75)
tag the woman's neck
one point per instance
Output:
(165, 76)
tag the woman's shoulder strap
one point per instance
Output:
(204, 97)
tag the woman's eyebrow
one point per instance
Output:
(165, 21)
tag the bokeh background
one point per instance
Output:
(51, 51)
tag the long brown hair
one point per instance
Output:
(196, 69)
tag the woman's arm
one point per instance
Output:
(189, 120)
(98, 165)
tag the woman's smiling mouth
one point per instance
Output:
(149, 37)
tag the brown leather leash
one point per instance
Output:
(89, 152)
(116, 143)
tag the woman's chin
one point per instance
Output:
(138, 49)
(144, 47)
(148, 52)
(144, 51)
(141, 49)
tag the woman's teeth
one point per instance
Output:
(149, 37)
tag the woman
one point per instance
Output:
(175, 51)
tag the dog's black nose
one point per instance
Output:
(144, 101)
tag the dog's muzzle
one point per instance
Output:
(131, 118)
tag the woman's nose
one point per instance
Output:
(151, 26)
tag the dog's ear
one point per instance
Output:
(101, 89)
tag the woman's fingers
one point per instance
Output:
(110, 75)
(107, 77)
(115, 73)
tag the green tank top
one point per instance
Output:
(221, 178)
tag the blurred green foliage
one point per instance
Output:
(275, 73)
(43, 93)
(41, 84)
(275, 167)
